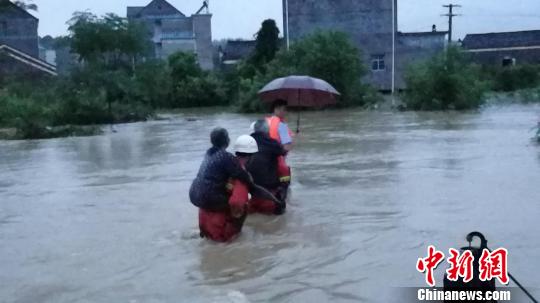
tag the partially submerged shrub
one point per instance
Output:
(446, 82)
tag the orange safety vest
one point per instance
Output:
(284, 171)
(273, 124)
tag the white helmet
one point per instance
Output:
(246, 144)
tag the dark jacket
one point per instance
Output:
(208, 190)
(263, 165)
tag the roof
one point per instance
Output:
(132, 11)
(503, 39)
(156, 8)
(238, 49)
(431, 33)
(5, 4)
(28, 60)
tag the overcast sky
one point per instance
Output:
(242, 18)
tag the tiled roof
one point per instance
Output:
(504, 39)
(238, 49)
(132, 11)
(10, 7)
(158, 8)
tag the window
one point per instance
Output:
(377, 63)
(508, 61)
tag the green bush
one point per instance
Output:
(446, 82)
(29, 117)
(153, 84)
(512, 78)
(191, 86)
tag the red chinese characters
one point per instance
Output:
(429, 264)
(460, 266)
(494, 265)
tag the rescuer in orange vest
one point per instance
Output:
(279, 131)
(263, 167)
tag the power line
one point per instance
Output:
(450, 16)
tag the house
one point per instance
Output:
(416, 47)
(371, 26)
(504, 48)
(171, 31)
(19, 50)
(236, 50)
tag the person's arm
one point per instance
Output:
(284, 135)
(236, 171)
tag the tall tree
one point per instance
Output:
(110, 39)
(267, 44)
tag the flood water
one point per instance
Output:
(107, 218)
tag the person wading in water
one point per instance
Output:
(263, 166)
(222, 186)
(279, 131)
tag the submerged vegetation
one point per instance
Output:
(446, 82)
(451, 81)
(113, 83)
(328, 55)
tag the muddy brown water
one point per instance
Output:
(107, 218)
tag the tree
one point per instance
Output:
(85, 36)
(111, 39)
(191, 86)
(267, 44)
(184, 65)
(328, 55)
(446, 82)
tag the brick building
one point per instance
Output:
(171, 31)
(370, 25)
(19, 50)
(504, 48)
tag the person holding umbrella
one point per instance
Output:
(298, 92)
(278, 129)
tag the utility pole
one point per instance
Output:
(394, 29)
(286, 4)
(450, 16)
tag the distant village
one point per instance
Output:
(370, 24)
